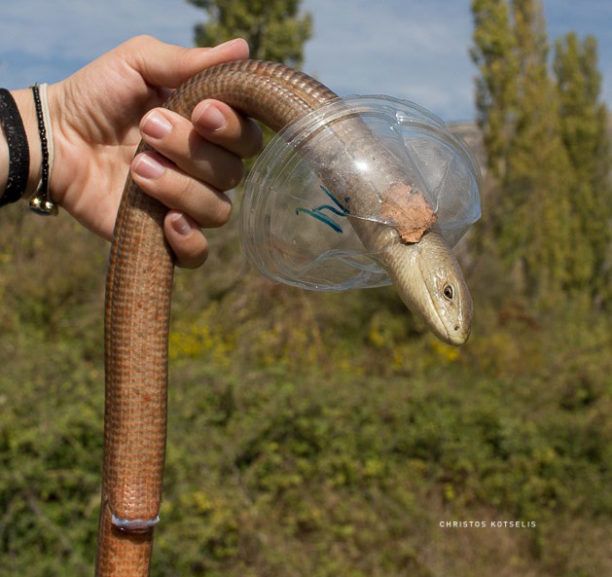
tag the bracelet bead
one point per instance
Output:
(41, 203)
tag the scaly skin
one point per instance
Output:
(138, 291)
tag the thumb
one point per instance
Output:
(169, 65)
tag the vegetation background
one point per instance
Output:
(332, 435)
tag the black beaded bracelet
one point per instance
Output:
(40, 202)
(19, 152)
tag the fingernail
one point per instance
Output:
(228, 43)
(147, 166)
(179, 224)
(155, 125)
(211, 118)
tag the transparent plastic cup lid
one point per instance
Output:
(297, 231)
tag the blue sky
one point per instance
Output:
(415, 49)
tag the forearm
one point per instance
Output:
(25, 104)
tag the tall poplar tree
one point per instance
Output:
(537, 224)
(585, 135)
(274, 29)
(530, 211)
(494, 53)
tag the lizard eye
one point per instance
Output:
(448, 292)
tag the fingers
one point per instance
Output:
(188, 173)
(193, 161)
(166, 182)
(214, 159)
(218, 123)
(186, 240)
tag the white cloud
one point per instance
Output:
(46, 40)
(415, 49)
(82, 28)
(419, 49)
(408, 49)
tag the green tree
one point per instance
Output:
(584, 132)
(274, 29)
(494, 53)
(536, 227)
(518, 109)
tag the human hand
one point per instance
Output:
(100, 114)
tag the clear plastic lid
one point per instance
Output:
(298, 214)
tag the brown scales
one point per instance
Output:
(138, 291)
